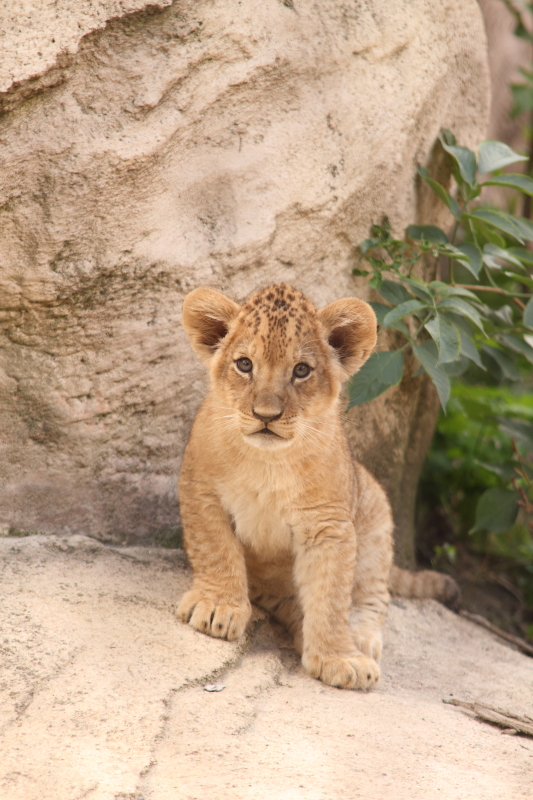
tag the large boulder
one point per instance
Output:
(221, 142)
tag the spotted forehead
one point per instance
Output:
(280, 316)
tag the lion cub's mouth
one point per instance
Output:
(267, 439)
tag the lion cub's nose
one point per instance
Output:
(267, 409)
(266, 418)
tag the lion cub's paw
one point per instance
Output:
(369, 642)
(357, 672)
(224, 621)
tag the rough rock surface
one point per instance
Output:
(36, 35)
(102, 696)
(230, 143)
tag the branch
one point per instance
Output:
(495, 289)
(508, 637)
(504, 719)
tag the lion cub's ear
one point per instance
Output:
(351, 329)
(207, 315)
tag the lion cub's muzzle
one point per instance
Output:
(267, 408)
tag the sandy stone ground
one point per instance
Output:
(102, 696)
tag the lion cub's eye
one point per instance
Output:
(301, 370)
(244, 364)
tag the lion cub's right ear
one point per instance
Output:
(207, 315)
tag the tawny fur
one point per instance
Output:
(285, 519)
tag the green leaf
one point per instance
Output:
(361, 272)
(462, 307)
(427, 355)
(517, 429)
(500, 252)
(427, 233)
(465, 159)
(521, 182)
(375, 281)
(503, 314)
(446, 337)
(491, 262)
(460, 322)
(473, 254)
(496, 511)
(524, 225)
(498, 220)
(419, 289)
(503, 471)
(487, 233)
(441, 192)
(446, 290)
(367, 245)
(506, 365)
(394, 292)
(469, 349)
(381, 371)
(496, 155)
(523, 255)
(528, 314)
(403, 310)
(520, 278)
(402, 327)
(516, 344)
(446, 136)
(455, 368)
(381, 311)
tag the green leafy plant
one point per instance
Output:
(476, 319)
(450, 323)
(478, 471)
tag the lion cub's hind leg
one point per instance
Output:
(287, 611)
(370, 596)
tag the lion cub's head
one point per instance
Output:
(276, 362)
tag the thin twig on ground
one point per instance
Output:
(507, 637)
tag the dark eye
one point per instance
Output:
(244, 364)
(301, 370)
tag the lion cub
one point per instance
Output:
(274, 509)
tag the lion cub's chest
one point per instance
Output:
(261, 511)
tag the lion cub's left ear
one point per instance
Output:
(207, 315)
(351, 329)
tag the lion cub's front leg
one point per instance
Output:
(218, 602)
(324, 570)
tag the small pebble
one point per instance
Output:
(214, 687)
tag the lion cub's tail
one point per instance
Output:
(425, 584)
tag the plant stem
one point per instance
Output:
(450, 259)
(495, 289)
